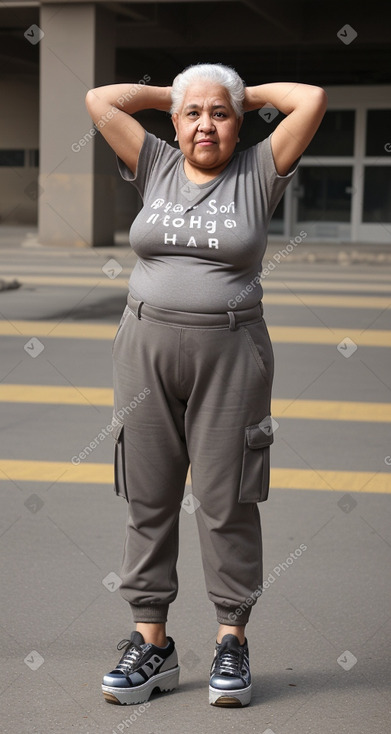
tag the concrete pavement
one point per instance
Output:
(319, 635)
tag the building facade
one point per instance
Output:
(57, 172)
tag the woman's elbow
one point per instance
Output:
(320, 98)
(90, 98)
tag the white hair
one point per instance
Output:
(214, 73)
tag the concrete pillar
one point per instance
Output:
(77, 167)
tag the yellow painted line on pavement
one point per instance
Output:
(55, 330)
(56, 471)
(341, 481)
(326, 285)
(336, 280)
(90, 473)
(103, 282)
(304, 299)
(279, 334)
(20, 270)
(97, 277)
(279, 299)
(288, 408)
(56, 395)
(312, 335)
(333, 410)
(345, 275)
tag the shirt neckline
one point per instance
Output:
(207, 183)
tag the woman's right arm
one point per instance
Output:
(111, 108)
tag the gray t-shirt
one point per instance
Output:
(200, 246)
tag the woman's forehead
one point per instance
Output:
(201, 93)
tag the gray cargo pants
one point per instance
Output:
(192, 388)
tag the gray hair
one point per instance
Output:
(214, 73)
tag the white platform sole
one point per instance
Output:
(166, 681)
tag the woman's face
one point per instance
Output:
(206, 126)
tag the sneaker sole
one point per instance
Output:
(238, 697)
(166, 681)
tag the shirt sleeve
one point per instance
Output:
(273, 185)
(154, 152)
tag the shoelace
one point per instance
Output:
(130, 657)
(229, 662)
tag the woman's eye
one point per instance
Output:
(220, 114)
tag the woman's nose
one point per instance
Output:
(206, 124)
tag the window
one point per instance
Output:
(19, 158)
(378, 140)
(12, 158)
(377, 194)
(335, 135)
(325, 193)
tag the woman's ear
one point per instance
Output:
(174, 120)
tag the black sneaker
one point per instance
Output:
(230, 677)
(142, 668)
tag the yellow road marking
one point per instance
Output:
(58, 330)
(52, 394)
(90, 473)
(326, 285)
(304, 299)
(279, 299)
(343, 275)
(278, 334)
(63, 269)
(288, 408)
(97, 276)
(102, 281)
(56, 471)
(341, 481)
(333, 410)
(325, 280)
(312, 335)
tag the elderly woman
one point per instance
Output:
(192, 340)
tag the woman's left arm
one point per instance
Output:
(304, 105)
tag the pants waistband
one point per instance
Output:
(229, 319)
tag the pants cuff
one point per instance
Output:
(156, 613)
(233, 616)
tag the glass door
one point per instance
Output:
(375, 210)
(323, 201)
(323, 188)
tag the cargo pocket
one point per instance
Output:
(119, 459)
(255, 477)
